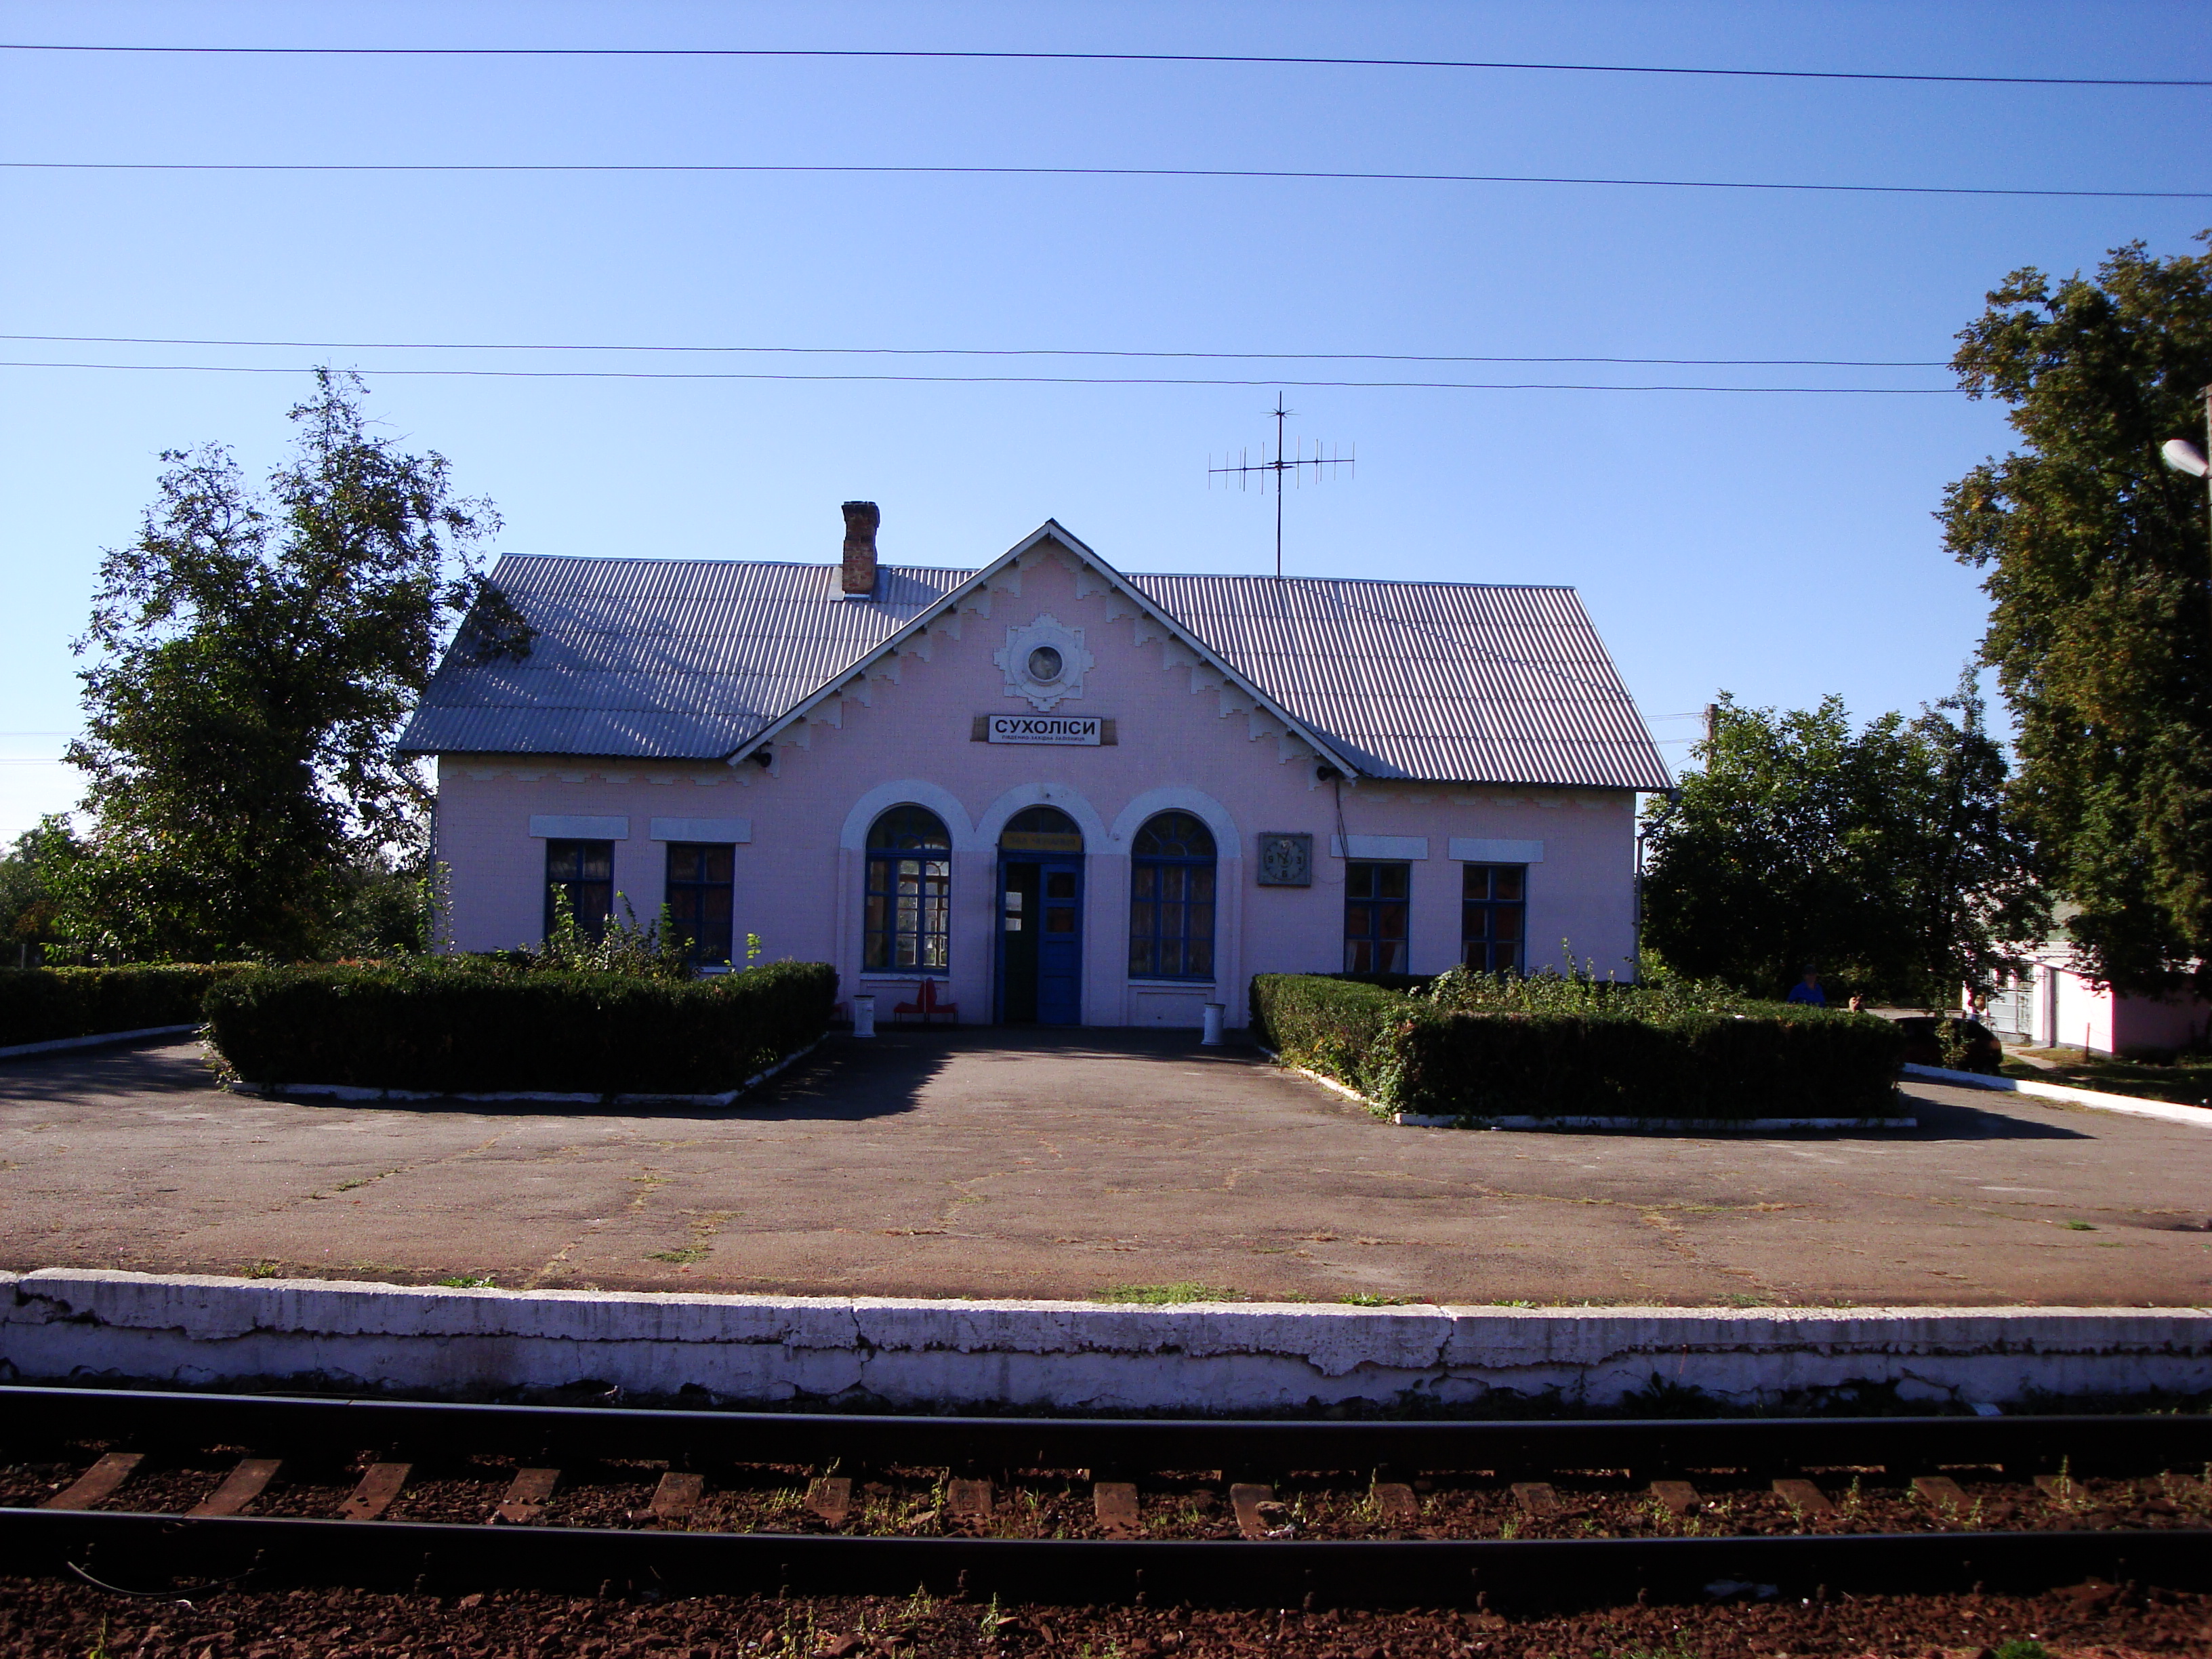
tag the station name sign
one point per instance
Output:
(1084, 729)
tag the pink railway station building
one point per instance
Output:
(1043, 791)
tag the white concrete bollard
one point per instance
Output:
(864, 1017)
(1214, 1010)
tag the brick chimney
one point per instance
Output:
(861, 518)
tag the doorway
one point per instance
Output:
(1040, 966)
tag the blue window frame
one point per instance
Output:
(910, 902)
(585, 871)
(1493, 913)
(701, 886)
(1172, 870)
(1376, 899)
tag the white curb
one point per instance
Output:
(2094, 1098)
(58, 1043)
(91, 1324)
(1703, 1126)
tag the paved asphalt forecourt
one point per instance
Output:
(988, 1164)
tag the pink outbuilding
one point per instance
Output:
(1042, 790)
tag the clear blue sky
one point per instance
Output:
(1779, 546)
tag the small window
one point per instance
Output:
(909, 901)
(585, 871)
(701, 887)
(1375, 904)
(1171, 886)
(1493, 911)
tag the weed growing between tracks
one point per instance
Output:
(48, 1619)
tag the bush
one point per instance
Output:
(1661, 997)
(471, 1026)
(41, 1005)
(1326, 1024)
(1574, 1048)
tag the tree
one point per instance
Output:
(2097, 562)
(32, 877)
(1887, 856)
(254, 656)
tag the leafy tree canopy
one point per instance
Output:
(33, 875)
(2098, 627)
(1885, 857)
(253, 656)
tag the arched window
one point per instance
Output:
(910, 893)
(1041, 829)
(1171, 899)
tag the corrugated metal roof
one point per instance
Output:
(690, 659)
(1438, 681)
(660, 658)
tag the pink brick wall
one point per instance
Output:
(1185, 741)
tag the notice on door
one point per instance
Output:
(1085, 729)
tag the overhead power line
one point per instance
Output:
(993, 379)
(890, 53)
(989, 351)
(1284, 173)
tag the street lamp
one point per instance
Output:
(2184, 456)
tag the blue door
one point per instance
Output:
(1041, 919)
(1059, 945)
(1040, 939)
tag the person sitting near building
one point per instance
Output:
(1807, 990)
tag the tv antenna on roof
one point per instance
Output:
(1284, 466)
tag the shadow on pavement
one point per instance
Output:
(848, 1080)
(153, 1065)
(843, 1081)
(1943, 1120)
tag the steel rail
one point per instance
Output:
(124, 1549)
(1913, 1444)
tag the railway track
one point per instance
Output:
(157, 1494)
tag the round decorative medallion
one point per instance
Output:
(1044, 661)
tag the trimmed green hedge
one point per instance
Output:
(1781, 1061)
(1326, 1024)
(468, 1027)
(42, 1005)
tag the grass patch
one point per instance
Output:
(465, 1282)
(264, 1269)
(682, 1258)
(2080, 1227)
(1372, 1299)
(2185, 1081)
(1161, 1295)
(356, 1184)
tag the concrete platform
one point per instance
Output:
(88, 1326)
(989, 1164)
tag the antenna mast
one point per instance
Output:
(1283, 465)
